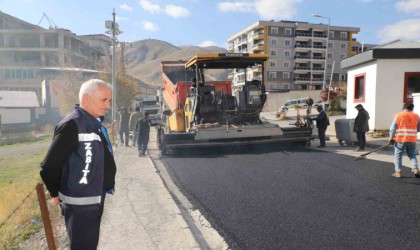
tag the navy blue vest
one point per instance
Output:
(83, 173)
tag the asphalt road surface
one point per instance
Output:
(272, 198)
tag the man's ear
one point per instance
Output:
(85, 98)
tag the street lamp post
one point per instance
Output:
(326, 53)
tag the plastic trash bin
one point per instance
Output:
(344, 132)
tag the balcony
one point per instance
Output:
(258, 47)
(302, 45)
(319, 47)
(303, 34)
(302, 57)
(318, 58)
(302, 78)
(298, 67)
(258, 35)
(317, 80)
(244, 41)
(319, 35)
(318, 69)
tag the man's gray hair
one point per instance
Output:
(90, 86)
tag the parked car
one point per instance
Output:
(294, 103)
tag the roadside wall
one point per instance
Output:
(276, 99)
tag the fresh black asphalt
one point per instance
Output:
(279, 198)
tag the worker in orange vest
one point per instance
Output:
(403, 135)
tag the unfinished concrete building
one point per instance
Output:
(30, 53)
(50, 62)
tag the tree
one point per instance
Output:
(127, 89)
(66, 87)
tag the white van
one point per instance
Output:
(292, 103)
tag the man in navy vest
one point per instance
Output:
(79, 168)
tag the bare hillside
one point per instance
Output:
(143, 58)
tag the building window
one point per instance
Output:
(329, 55)
(272, 75)
(7, 74)
(287, 42)
(359, 88)
(286, 65)
(329, 66)
(287, 53)
(273, 63)
(18, 73)
(273, 52)
(343, 55)
(30, 74)
(411, 85)
(274, 30)
(331, 34)
(343, 46)
(273, 41)
(343, 35)
(286, 75)
(330, 45)
(288, 32)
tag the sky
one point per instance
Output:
(213, 22)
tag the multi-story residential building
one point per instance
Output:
(300, 53)
(30, 54)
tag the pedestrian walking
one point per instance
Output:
(124, 119)
(322, 122)
(403, 135)
(79, 167)
(143, 128)
(361, 126)
(134, 117)
(309, 102)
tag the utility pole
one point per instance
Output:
(114, 31)
(326, 53)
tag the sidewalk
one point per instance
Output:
(142, 213)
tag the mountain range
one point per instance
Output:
(142, 59)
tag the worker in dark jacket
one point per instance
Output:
(361, 126)
(134, 117)
(309, 102)
(322, 122)
(79, 167)
(143, 129)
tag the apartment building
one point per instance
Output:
(30, 54)
(300, 53)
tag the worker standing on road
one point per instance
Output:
(143, 129)
(361, 126)
(403, 135)
(134, 117)
(79, 168)
(322, 122)
(124, 118)
(309, 102)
